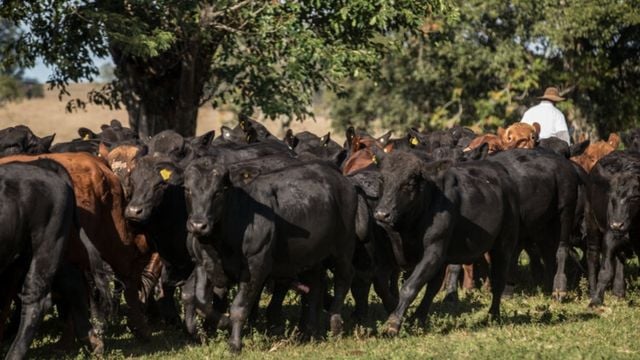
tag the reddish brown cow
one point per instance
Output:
(519, 136)
(100, 203)
(362, 152)
(494, 142)
(595, 151)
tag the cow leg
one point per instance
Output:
(312, 310)
(36, 285)
(452, 283)
(562, 253)
(188, 300)
(385, 285)
(500, 260)
(430, 264)
(259, 266)
(433, 286)
(342, 278)
(274, 309)
(606, 273)
(74, 293)
(592, 254)
(618, 279)
(360, 290)
(137, 322)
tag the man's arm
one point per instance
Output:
(560, 128)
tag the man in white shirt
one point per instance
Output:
(551, 120)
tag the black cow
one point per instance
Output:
(614, 201)
(112, 135)
(631, 139)
(278, 224)
(445, 216)
(37, 217)
(306, 143)
(21, 140)
(547, 185)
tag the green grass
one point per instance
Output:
(533, 326)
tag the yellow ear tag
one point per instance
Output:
(165, 174)
(414, 141)
(86, 137)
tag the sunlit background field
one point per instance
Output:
(48, 115)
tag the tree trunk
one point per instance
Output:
(164, 92)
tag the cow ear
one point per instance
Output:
(170, 173)
(290, 139)
(325, 139)
(614, 140)
(388, 148)
(479, 153)
(116, 124)
(626, 139)
(384, 139)
(205, 139)
(46, 141)
(86, 134)
(226, 132)
(243, 121)
(537, 127)
(103, 127)
(251, 135)
(413, 136)
(579, 148)
(103, 151)
(350, 136)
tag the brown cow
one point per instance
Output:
(519, 136)
(494, 142)
(100, 205)
(595, 151)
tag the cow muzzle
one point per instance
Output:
(135, 213)
(617, 226)
(198, 227)
(384, 216)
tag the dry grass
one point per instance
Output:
(47, 115)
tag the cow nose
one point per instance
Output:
(133, 211)
(381, 215)
(617, 226)
(198, 227)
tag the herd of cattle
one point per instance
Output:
(109, 214)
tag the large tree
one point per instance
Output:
(484, 67)
(171, 56)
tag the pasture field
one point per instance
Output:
(47, 115)
(533, 326)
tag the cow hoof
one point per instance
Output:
(559, 296)
(595, 303)
(336, 324)
(235, 346)
(392, 327)
(95, 344)
(451, 298)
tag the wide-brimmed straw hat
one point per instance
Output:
(551, 94)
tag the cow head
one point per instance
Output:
(631, 139)
(624, 202)
(519, 136)
(205, 183)
(405, 179)
(122, 160)
(493, 141)
(21, 140)
(150, 179)
(320, 147)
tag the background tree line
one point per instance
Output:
(405, 63)
(484, 67)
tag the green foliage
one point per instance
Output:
(484, 67)
(271, 55)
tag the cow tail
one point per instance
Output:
(99, 273)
